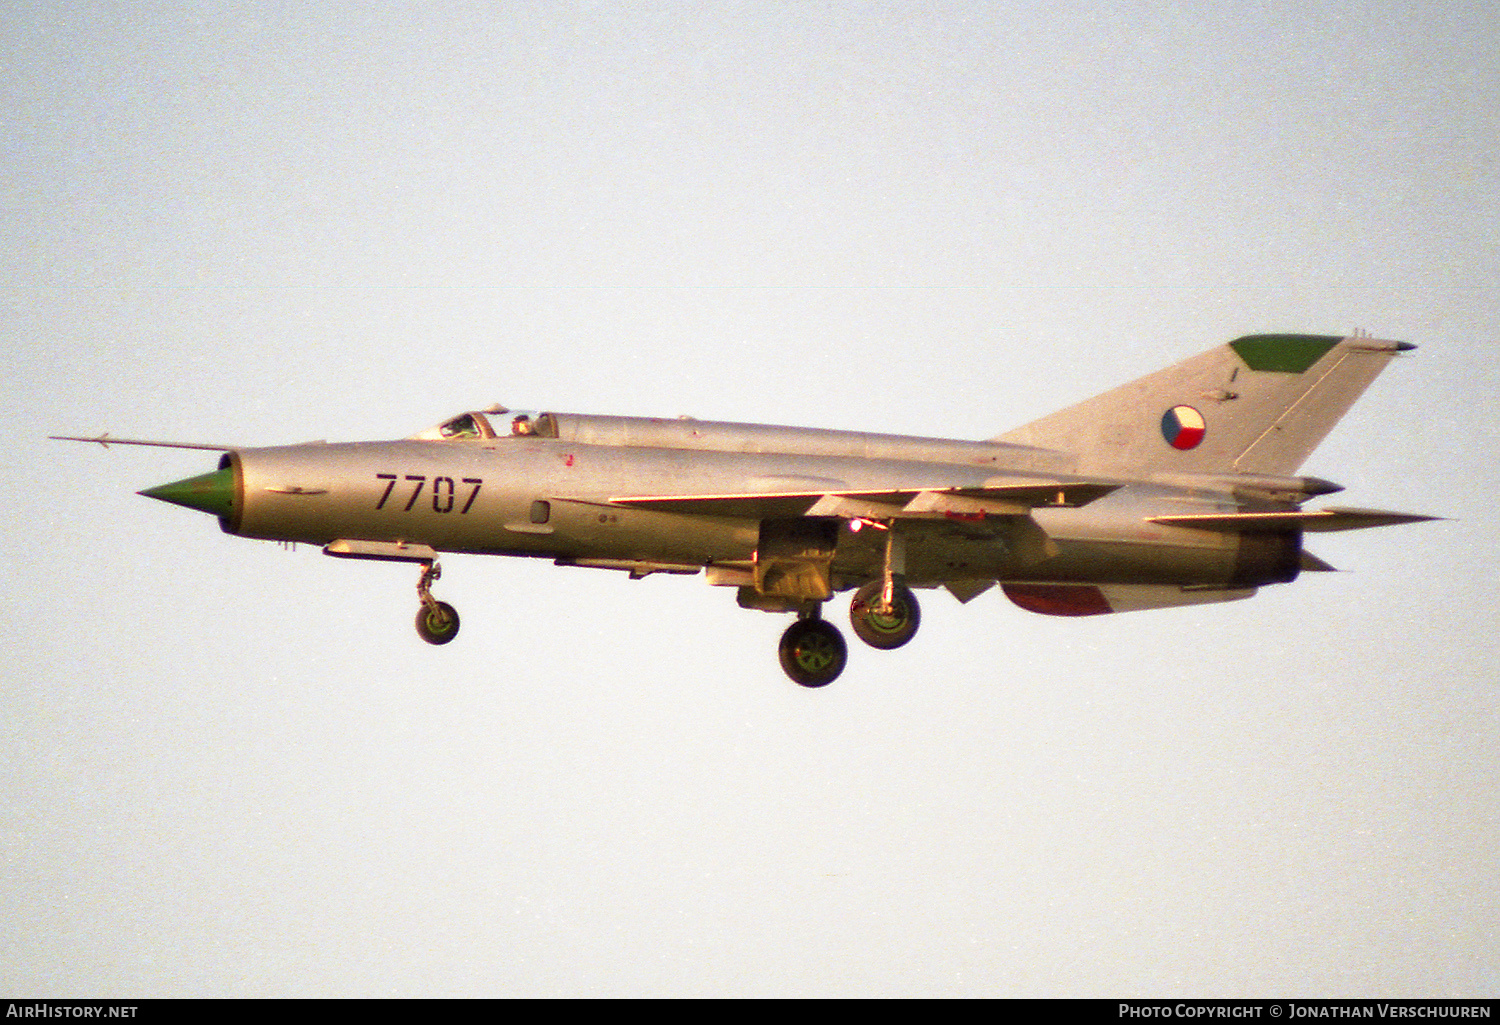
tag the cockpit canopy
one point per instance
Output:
(490, 424)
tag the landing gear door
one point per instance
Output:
(794, 558)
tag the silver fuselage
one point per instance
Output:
(561, 498)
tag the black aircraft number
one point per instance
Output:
(445, 492)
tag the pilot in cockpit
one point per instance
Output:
(461, 427)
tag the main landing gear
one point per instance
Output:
(812, 650)
(437, 621)
(884, 624)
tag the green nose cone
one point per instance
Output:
(210, 492)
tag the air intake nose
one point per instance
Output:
(212, 493)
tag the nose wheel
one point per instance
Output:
(813, 652)
(437, 621)
(438, 624)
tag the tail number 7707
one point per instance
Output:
(444, 492)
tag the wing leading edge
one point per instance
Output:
(923, 503)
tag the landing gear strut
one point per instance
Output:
(813, 651)
(437, 621)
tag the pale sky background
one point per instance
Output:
(234, 770)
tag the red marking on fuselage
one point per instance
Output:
(1058, 599)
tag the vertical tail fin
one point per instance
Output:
(1260, 404)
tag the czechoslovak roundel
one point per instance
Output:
(1183, 427)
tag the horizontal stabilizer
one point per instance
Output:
(1313, 520)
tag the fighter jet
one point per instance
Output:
(1176, 489)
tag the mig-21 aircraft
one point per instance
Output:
(1176, 489)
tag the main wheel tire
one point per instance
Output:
(889, 630)
(813, 652)
(439, 625)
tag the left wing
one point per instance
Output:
(917, 503)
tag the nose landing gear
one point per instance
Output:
(437, 621)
